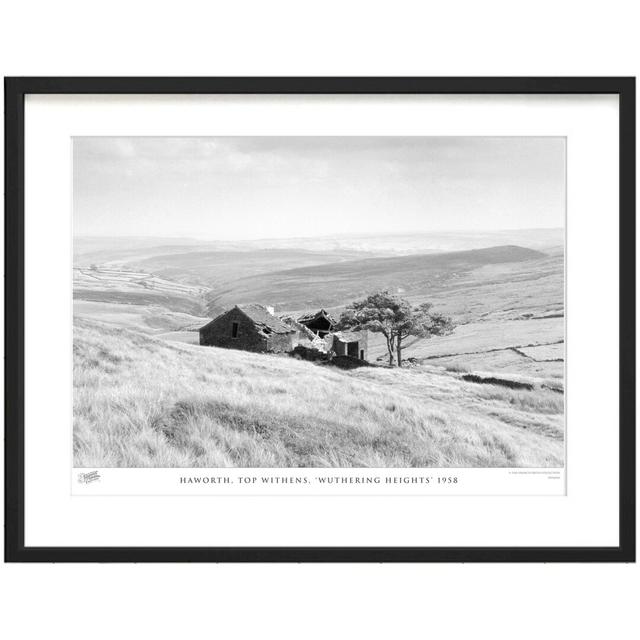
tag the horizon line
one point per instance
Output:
(320, 237)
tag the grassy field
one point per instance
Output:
(136, 300)
(143, 402)
(122, 286)
(531, 347)
(150, 318)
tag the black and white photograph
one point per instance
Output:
(319, 302)
(320, 319)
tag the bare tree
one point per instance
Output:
(395, 319)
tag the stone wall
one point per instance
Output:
(219, 333)
(341, 346)
(280, 342)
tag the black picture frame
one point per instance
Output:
(15, 91)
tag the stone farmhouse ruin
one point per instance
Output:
(255, 327)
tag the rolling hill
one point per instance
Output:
(136, 299)
(337, 283)
(211, 268)
(140, 401)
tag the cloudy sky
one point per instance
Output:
(231, 188)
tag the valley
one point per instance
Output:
(507, 300)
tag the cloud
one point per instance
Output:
(230, 185)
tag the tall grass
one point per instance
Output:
(143, 402)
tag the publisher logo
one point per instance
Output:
(87, 478)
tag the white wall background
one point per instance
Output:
(329, 38)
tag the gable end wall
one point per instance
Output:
(218, 333)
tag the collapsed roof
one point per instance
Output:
(298, 326)
(318, 315)
(263, 319)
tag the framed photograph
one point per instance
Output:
(320, 319)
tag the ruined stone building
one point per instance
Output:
(249, 327)
(254, 327)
